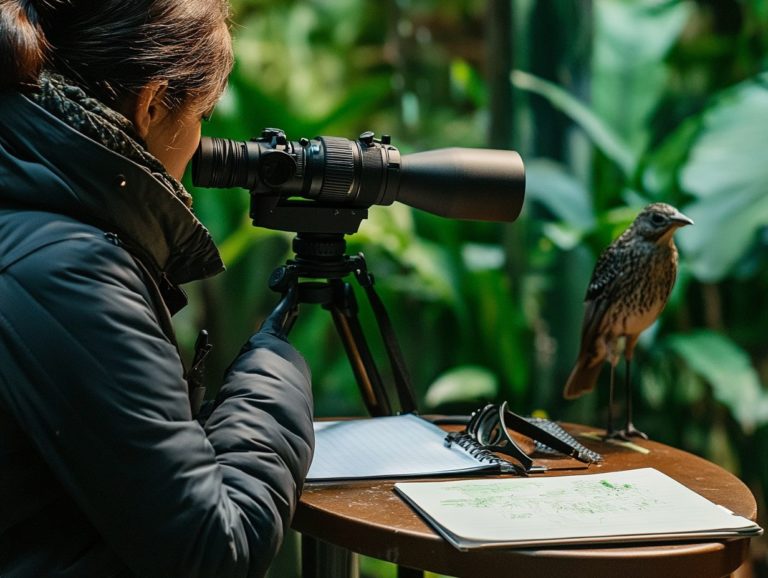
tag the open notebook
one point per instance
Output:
(627, 506)
(392, 447)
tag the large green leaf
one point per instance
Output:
(728, 369)
(461, 384)
(728, 173)
(662, 164)
(629, 74)
(639, 32)
(604, 137)
(565, 196)
(727, 155)
(725, 230)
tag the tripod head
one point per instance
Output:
(317, 256)
(321, 257)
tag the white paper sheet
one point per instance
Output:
(603, 507)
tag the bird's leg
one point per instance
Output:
(630, 430)
(610, 433)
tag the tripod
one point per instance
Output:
(321, 257)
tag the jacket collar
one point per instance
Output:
(46, 165)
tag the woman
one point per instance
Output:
(104, 471)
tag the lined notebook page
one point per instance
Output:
(385, 447)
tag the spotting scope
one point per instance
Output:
(327, 184)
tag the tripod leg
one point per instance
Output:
(400, 373)
(343, 308)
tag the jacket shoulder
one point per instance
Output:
(41, 249)
(23, 233)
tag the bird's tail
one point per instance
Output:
(582, 379)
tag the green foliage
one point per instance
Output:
(601, 134)
(725, 366)
(467, 382)
(728, 180)
(631, 41)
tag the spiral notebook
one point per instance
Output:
(393, 447)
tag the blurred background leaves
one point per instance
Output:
(613, 104)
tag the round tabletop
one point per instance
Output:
(371, 519)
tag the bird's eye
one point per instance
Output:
(658, 219)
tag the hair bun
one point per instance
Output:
(23, 45)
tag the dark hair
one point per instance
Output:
(113, 48)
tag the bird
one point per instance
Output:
(629, 288)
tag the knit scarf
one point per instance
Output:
(89, 116)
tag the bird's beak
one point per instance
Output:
(680, 220)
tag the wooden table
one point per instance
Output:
(370, 519)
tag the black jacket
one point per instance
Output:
(103, 470)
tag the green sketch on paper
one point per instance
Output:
(582, 498)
